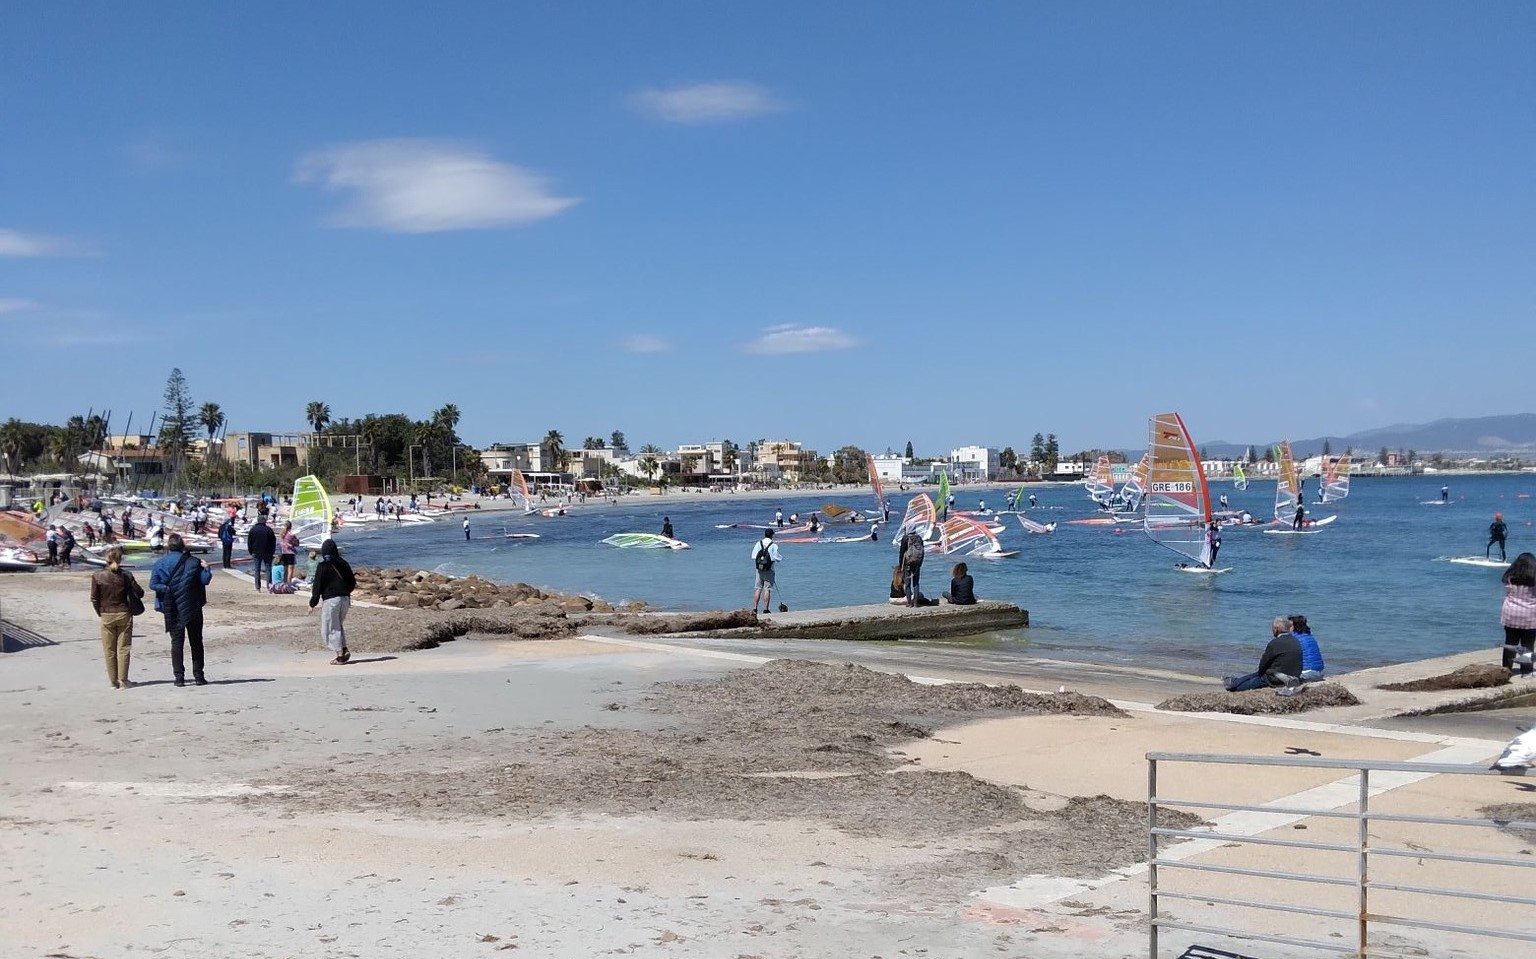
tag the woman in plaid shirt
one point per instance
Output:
(1519, 614)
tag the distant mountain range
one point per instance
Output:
(1478, 436)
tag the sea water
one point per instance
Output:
(1374, 584)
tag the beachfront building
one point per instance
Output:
(715, 463)
(893, 469)
(500, 459)
(785, 460)
(266, 450)
(973, 464)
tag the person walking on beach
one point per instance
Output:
(1518, 615)
(466, 529)
(1497, 533)
(666, 527)
(765, 557)
(288, 551)
(331, 590)
(261, 543)
(912, 552)
(227, 539)
(116, 595)
(1279, 666)
(181, 583)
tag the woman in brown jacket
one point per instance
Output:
(110, 592)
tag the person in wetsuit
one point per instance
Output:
(1301, 515)
(1497, 533)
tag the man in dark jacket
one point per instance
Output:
(1279, 666)
(227, 538)
(332, 587)
(912, 552)
(261, 543)
(180, 583)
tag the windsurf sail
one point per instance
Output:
(1100, 481)
(520, 484)
(644, 541)
(943, 504)
(834, 511)
(1030, 526)
(920, 517)
(1135, 488)
(1287, 484)
(874, 481)
(1178, 502)
(311, 512)
(1336, 479)
(965, 537)
(1239, 478)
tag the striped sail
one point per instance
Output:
(311, 512)
(520, 484)
(1287, 485)
(1336, 479)
(920, 518)
(963, 536)
(874, 481)
(1135, 488)
(1100, 481)
(1178, 502)
(643, 541)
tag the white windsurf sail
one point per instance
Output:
(920, 518)
(1135, 488)
(519, 484)
(1336, 479)
(1030, 526)
(1178, 502)
(1287, 485)
(644, 541)
(310, 514)
(1100, 481)
(874, 481)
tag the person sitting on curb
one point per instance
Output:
(1279, 666)
(962, 588)
(1311, 654)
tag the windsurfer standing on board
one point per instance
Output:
(1497, 532)
(1301, 513)
(1212, 540)
(1445, 494)
(1032, 502)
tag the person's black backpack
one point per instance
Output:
(763, 561)
(912, 550)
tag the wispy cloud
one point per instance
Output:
(428, 186)
(17, 243)
(644, 343)
(13, 305)
(153, 155)
(706, 102)
(800, 339)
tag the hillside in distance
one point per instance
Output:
(1476, 436)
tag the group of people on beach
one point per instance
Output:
(180, 581)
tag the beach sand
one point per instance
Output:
(582, 796)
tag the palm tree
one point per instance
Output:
(318, 414)
(447, 417)
(592, 443)
(553, 446)
(650, 449)
(212, 419)
(13, 441)
(648, 465)
(426, 433)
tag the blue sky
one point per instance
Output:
(843, 223)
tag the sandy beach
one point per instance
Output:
(594, 794)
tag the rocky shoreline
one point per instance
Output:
(424, 589)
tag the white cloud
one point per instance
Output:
(428, 186)
(800, 339)
(17, 243)
(14, 305)
(644, 343)
(706, 102)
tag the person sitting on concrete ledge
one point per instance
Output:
(1311, 654)
(962, 588)
(1279, 666)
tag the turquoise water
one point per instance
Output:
(1370, 584)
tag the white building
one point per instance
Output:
(973, 464)
(899, 469)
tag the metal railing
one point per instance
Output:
(1361, 884)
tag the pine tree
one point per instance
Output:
(180, 416)
(909, 449)
(1037, 448)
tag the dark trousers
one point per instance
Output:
(1500, 541)
(185, 634)
(53, 553)
(228, 548)
(257, 565)
(911, 576)
(1525, 638)
(1242, 684)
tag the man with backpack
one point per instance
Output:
(227, 538)
(912, 551)
(765, 556)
